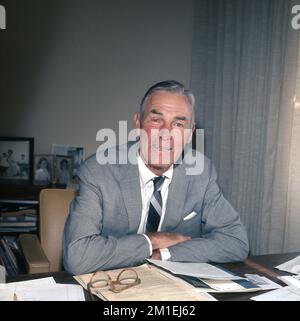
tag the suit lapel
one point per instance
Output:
(131, 192)
(176, 199)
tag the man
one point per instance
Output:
(125, 213)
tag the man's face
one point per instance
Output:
(167, 125)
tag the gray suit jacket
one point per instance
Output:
(101, 229)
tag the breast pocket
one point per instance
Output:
(190, 216)
(190, 225)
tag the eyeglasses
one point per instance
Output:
(126, 279)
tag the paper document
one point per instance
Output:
(14, 285)
(290, 280)
(287, 293)
(8, 290)
(200, 270)
(213, 286)
(56, 292)
(292, 266)
(230, 286)
(154, 286)
(262, 282)
(44, 289)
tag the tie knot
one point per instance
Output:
(158, 181)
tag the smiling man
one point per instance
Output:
(126, 213)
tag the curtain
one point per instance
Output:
(292, 235)
(244, 71)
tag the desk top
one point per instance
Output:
(261, 264)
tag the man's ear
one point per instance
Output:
(136, 119)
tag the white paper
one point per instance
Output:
(262, 282)
(57, 292)
(6, 295)
(8, 290)
(290, 280)
(292, 266)
(44, 289)
(41, 281)
(287, 293)
(200, 270)
(225, 286)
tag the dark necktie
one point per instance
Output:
(155, 208)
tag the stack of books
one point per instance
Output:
(18, 219)
(11, 256)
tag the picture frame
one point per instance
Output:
(76, 152)
(63, 169)
(78, 155)
(43, 169)
(16, 160)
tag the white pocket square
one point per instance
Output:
(189, 216)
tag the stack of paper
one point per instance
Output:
(287, 293)
(291, 292)
(44, 289)
(154, 286)
(292, 266)
(208, 278)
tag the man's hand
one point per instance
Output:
(163, 240)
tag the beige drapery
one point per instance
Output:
(244, 72)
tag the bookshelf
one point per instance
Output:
(17, 204)
(19, 213)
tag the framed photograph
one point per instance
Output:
(63, 169)
(77, 154)
(16, 160)
(43, 169)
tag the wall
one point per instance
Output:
(69, 68)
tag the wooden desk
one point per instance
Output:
(262, 265)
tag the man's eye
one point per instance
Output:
(179, 125)
(155, 120)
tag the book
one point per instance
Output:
(18, 229)
(14, 244)
(30, 211)
(16, 224)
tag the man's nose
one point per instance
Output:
(165, 133)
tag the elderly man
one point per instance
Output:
(126, 213)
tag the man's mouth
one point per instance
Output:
(162, 148)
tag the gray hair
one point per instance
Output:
(172, 86)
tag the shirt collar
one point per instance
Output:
(147, 175)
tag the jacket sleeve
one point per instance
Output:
(84, 248)
(223, 236)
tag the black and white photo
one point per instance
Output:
(43, 169)
(77, 154)
(15, 159)
(63, 169)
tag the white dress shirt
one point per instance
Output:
(147, 189)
